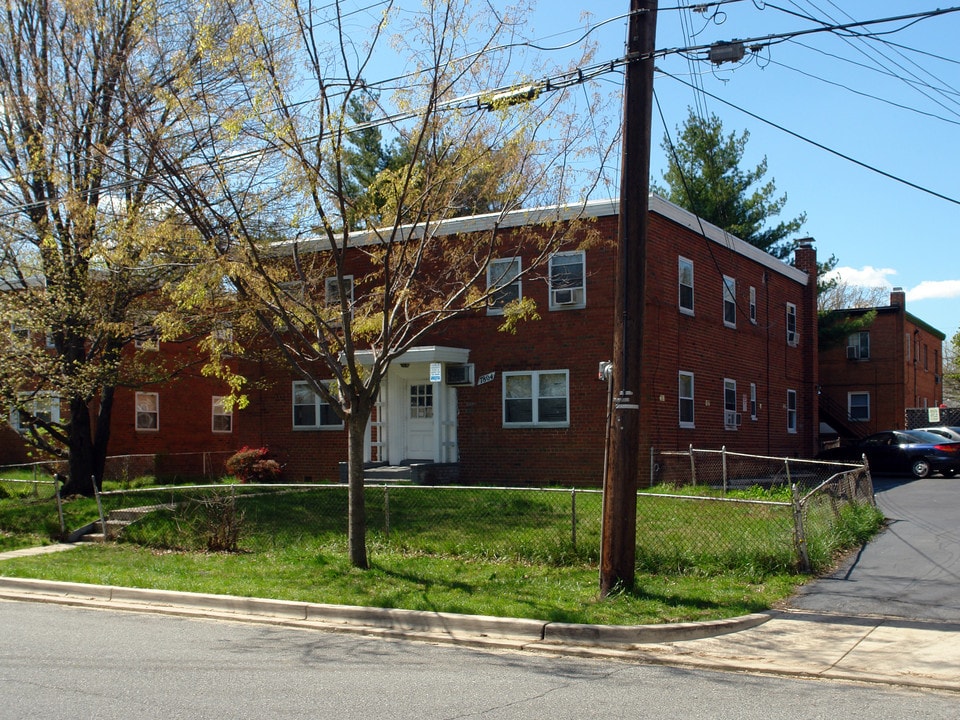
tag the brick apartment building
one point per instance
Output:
(895, 364)
(730, 359)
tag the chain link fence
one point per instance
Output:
(712, 511)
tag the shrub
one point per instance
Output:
(253, 465)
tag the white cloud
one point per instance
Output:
(867, 276)
(935, 290)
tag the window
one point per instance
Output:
(222, 418)
(858, 406)
(44, 407)
(503, 282)
(685, 271)
(18, 331)
(753, 401)
(147, 411)
(858, 346)
(536, 398)
(908, 344)
(567, 281)
(686, 400)
(791, 324)
(146, 338)
(421, 402)
(730, 416)
(791, 411)
(223, 333)
(331, 290)
(753, 305)
(925, 366)
(310, 412)
(729, 301)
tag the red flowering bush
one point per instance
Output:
(253, 465)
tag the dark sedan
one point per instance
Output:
(898, 451)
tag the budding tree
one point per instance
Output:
(84, 245)
(436, 86)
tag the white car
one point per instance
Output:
(953, 433)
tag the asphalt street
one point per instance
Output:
(910, 571)
(66, 662)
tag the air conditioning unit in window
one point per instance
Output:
(460, 374)
(731, 418)
(853, 352)
(564, 297)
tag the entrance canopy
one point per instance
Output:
(423, 354)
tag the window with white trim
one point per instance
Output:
(536, 399)
(146, 338)
(858, 406)
(310, 411)
(791, 411)
(729, 301)
(753, 305)
(18, 331)
(43, 407)
(331, 291)
(222, 419)
(753, 401)
(792, 337)
(730, 416)
(503, 283)
(686, 403)
(568, 288)
(147, 411)
(685, 283)
(858, 346)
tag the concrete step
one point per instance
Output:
(92, 537)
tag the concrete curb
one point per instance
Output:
(435, 626)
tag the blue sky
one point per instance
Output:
(891, 103)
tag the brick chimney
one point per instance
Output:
(898, 298)
(805, 257)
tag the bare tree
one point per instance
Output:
(276, 195)
(84, 243)
(842, 295)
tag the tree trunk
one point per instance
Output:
(82, 462)
(357, 514)
(88, 445)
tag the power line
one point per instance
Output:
(821, 146)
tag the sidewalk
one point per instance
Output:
(789, 643)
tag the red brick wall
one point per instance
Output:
(894, 376)
(575, 340)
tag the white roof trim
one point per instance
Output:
(422, 354)
(573, 211)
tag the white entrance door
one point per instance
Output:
(419, 421)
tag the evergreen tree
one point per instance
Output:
(704, 176)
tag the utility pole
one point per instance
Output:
(619, 538)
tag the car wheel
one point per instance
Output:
(920, 468)
(949, 473)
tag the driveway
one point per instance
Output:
(912, 569)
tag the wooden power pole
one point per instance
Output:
(619, 539)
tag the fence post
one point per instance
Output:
(723, 463)
(573, 517)
(799, 535)
(96, 492)
(56, 492)
(386, 510)
(693, 467)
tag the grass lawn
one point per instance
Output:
(464, 551)
(416, 582)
